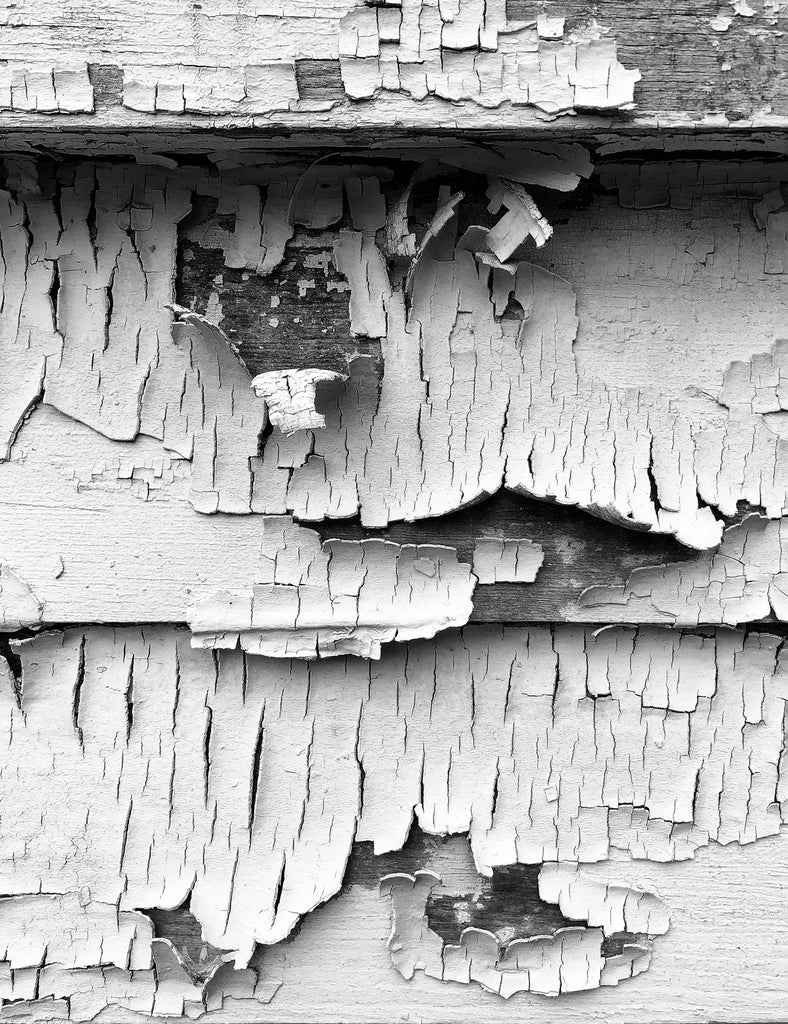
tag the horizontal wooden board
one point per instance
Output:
(119, 70)
(672, 276)
(620, 789)
(721, 959)
(695, 56)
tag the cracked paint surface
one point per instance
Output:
(310, 600)
(34, 86)
(478, 354)
(744, 579)
(156, 772)
(760, 384)
(467, 51)
(454, 52)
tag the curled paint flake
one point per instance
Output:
(522, 220)
(447, 210)
(19, 606)
(290, 397)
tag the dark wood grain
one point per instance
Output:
(319, 80)
(686, 65)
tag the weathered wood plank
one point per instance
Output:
(298, 65)
(695, 56)
(309, 316)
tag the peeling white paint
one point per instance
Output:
(157, 767)
(244, 781)
(309, 600)
(478, 351)
(34, 86)
(744, 579)
(506, 560)
(19, 606)
(474, 55)
(290, 397)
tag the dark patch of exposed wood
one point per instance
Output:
(199, 958)
(107, 82)
(287, 319)
(319, 80)
(508, 905)
(687, 66)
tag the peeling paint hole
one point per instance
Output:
(107, 82)
(366, 869)
(508, 906)
(514, 312)
(319, 79)
(613, 945)
(199, 958)
(267, 316)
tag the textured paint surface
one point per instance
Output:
(185, 760)
(464, 51)
(480, 385)
(273, 397)
(308, 599)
